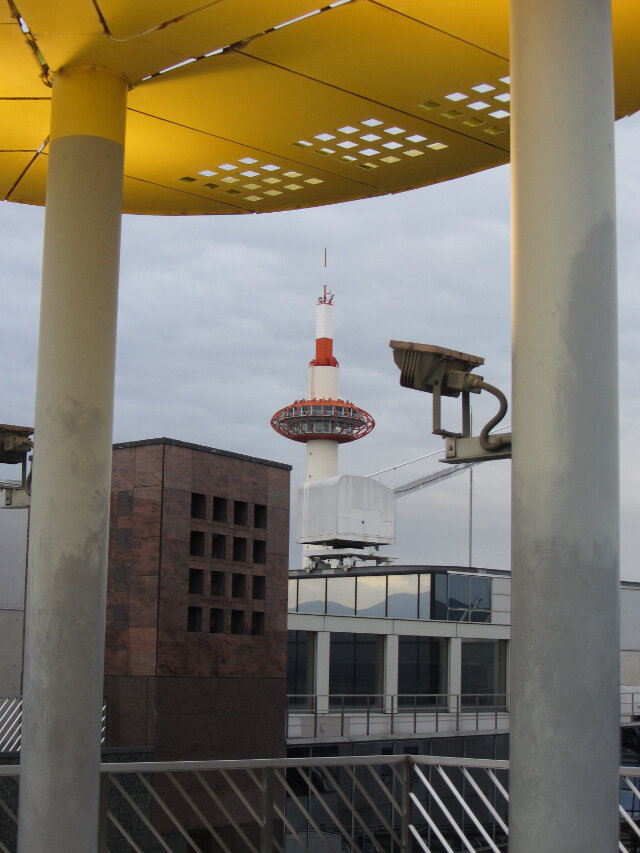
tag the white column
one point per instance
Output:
(564, 652)
(65, 609)
(391, 647)
(323, 646)
(455, 669)
(322, 459)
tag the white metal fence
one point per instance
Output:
(380, 804)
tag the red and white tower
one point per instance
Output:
(323, 420)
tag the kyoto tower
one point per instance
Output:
(323, 420)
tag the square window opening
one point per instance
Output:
(240, 512)
(216, 621)
(258, 588)
(198, 505)
(218, 546)
(259, 551)
(196, 543)
(220, 509)
(196, 581)
(237, 622)
(238, 586)
(239, 549)
(217, 583)
(260, 516)
(257, 623)
(194, 619)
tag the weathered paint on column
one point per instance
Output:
(65, 619)
(564, 653)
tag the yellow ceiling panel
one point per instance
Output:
(24, 125)
(484, 24)
(201, 28)
(356, 100)
(32, 185)
(12, 165)
(19, 69)
(366, 49)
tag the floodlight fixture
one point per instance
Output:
(446, 372)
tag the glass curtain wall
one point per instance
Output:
(422, 672)
(355, 670)
(300, 668)
(484, 673)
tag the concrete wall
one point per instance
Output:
(11, 627)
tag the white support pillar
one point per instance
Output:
(564, 652)
(65, 618)
(323, 648)
(391, 650)
(455, 670)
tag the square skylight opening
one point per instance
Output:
(250, 174)
(350, 159)
(252, 186)
(272, 192)
(483, 87)
(302, 143)
(326, 151)
(504, 96)
(437, 146)
(230, 180)
(348, 129)
(506, 80)
(270, 167)
(452, 114)
(369, 152)
(314, 181)
(368, 165)
(232, 192)
(430, 105)
(416, 137)
(456, 96)
(207, 173)
(253, 198)
(272, 181)
(292, 174)
(394, 131)
(413, 152)
(324, 137)
(500, 114)
(495, 131)
(473, 122)
(247, 160)
(370, 137)
(371, 122)
(211, 186)
(228, 167)
(187, 179)
(389, 159)
(392, 145)
(293, 187)
(347, 144)
(479, 105)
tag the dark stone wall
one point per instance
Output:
(195, 659)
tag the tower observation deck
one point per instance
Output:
(323, 420)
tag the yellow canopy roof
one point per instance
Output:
(240, 106)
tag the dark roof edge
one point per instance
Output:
(202, 447)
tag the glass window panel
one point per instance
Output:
(440, 596)
(293, 596)
(480, 616)
(300, 674)
(341, 596)
(402, 596)
(483, 673)
(458, 592)
(422, 671)
(354, 669)
(371, 594)
(311, 595)
(480, 593)
(424, 597)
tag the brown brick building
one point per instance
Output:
(195, 658)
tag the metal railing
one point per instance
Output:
(11, 724)
(386, 804)
(312, 716)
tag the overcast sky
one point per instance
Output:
(217, 326)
